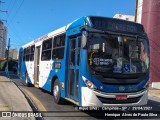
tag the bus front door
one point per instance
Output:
(36, 72)
(74, 56)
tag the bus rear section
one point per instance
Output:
(26, 64)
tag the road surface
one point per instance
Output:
(41, 100)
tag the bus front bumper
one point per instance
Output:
(97, 98)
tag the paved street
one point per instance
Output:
(41, 100)
(11, 98)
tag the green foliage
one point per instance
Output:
(11, 63)
(2, 64)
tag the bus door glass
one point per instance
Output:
(73, 83)
(37, 59)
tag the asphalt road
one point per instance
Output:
(43, 101)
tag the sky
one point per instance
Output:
(27, 20)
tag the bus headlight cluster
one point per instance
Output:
(88, 83)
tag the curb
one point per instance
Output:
(154, 93)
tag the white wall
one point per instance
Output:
(139, 11)
(124, 17)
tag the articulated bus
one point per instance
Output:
(93, 61)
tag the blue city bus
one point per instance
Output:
(93, 61)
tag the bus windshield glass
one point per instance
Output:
(113, 54)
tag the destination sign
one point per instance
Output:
(41, 38)
(116, 25)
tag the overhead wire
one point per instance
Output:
(11, 7)
(17, 11)
(10, 25)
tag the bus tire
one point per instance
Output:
(56, 91)
(26, 80)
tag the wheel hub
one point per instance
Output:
(56, 91)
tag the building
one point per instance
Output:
(138, 15)
(124, 17)
(13, 53)
(147, 13)
(3, 35)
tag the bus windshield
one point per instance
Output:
(113, 54)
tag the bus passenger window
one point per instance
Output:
(24, 58)
(46, 55)
(58, 53)
(26, 54)
(27, 57)
(46, 49)
(31, 58)
(58, 47)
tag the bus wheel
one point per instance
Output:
(56, 91)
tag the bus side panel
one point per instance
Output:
(45, 68)
(30, 71)
(45, 81)
(56, 73)
(45, 77)
(24, 69)
(61, 76)
(59, 73)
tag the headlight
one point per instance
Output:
(88, 83)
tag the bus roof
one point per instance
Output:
(51, 34)
(97, 22)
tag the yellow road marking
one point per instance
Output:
(3, 79)
(72, 101)
(5, 108)
(36, 85)
(36, 101)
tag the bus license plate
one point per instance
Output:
(121, 97)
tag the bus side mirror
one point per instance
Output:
(84, 40)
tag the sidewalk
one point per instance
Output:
(12, 99)
(154, 92)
